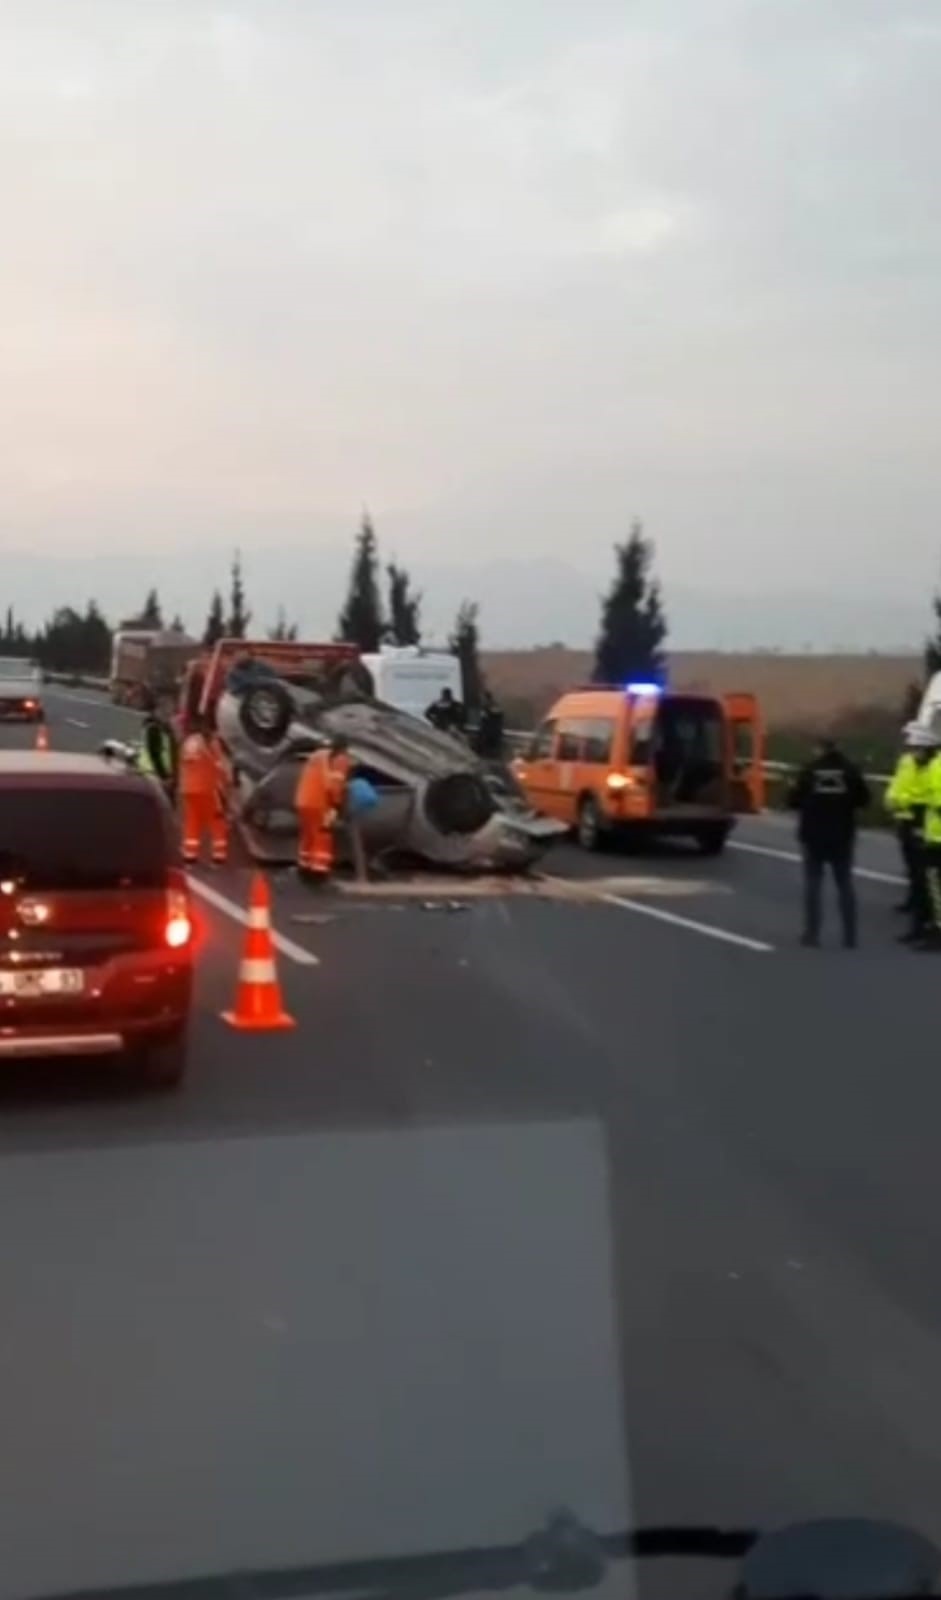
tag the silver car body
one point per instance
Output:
(412, 765)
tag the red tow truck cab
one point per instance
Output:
(205, 677)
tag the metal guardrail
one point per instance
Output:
(516, 738)
(77, 680)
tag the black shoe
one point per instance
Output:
(911, 937)
(810, 941)
(904, 907)
(852, 943)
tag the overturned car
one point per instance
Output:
(438, 803)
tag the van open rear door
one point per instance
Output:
(746, 742)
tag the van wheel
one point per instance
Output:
(711, 838)
(588, 828)
(163, 1064)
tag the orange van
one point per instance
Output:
(641, 760)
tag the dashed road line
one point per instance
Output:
(221, 902)
(707, 929)
(870, 873)
(66, 697)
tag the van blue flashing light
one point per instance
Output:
(643, 688)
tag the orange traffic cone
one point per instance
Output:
(258, 1005)
(42, 737)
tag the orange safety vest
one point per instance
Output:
(322, 783)
(221, 762)
(199, 775)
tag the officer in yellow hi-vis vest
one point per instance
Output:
(905, 800)
(931, 845)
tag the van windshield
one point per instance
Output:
(74, 838)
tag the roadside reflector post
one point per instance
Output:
(358, 851)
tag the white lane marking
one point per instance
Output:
(294, 952)
(705, 928)
(73, 722)
(791, 855)
(101, 704)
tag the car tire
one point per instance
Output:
(266, 713)
(351, 680)
(711, 839)
(164, 1062)
(461, 802)
(589, 829)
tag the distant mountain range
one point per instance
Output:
(523, 603)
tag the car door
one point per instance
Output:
(569, 774)
(536, 771)
(745, 744)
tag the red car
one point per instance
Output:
(96, 930)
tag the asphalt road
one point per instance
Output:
(671, 1178)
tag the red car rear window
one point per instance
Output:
(84, 838)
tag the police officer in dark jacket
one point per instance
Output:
(488, 741)
(446, 714)
(828, 795)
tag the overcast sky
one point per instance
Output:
(510, 272)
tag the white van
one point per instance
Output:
(410, 678)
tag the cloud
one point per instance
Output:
(500, 271)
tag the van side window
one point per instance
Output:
(599, 734)
(541, 745)
(570, 741)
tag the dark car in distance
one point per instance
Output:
(96, 929)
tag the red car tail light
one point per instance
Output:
(178, 927)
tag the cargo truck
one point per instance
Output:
(148, 661)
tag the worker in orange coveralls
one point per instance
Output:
(205, 780)
(319, 798)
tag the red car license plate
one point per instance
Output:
(43, 984)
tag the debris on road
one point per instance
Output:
(432, 892)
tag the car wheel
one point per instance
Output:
(459, 803)
(711, 839)
(351, 680)
(588, 826)
(266, 713)
(164, 1062)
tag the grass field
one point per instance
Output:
(798, 693)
